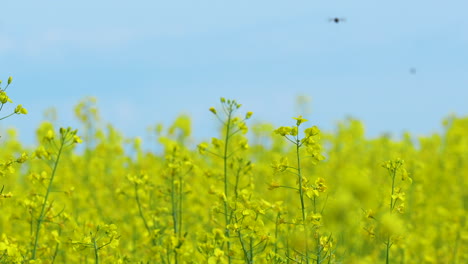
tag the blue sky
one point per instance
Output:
(149, 61)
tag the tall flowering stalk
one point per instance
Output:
(391, 224)
(178, 167)
(4, 99)
(66, 139)
(304, 188)
(231, 126)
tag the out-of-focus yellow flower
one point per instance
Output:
(315, 219)
(369, 214)
(299, 120)
(23, 158)
(283, 131)
(282, 165)
(326, 243)
(202, 147)
(401, 208)
(391, 224)
(41, 152)
(216, 143)
(311, 193)
(77, 139)
(399, 196)
(20, 110)
(320, 184)
(6, 195)
(50, 135)
(293, 131)
(244, 144)
(274, 185)
(312, 131)
(243, 127)
(4, 98)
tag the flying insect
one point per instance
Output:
(337, 20)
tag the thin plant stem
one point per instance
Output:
(301, 195)
(140, 211)
(49, 188)
(387, 258)
(225, 159)
(96, 251)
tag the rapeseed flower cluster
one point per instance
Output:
(4, 99)
(251, 193)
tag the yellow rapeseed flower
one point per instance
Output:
(20, 110)
(283, 131)
(202, 147)
(4, 98)
(312, 131)
(77, 139)
(50, 135)
(300, 120)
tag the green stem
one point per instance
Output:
(301, 195)
(140, 211)
(55, 252)
(176, 203)
(180, 205)
(236, 187)
(49, 187)
(225, 159)
(251, 250)
(246, 253)
(392, 204)
(173, 202)
(276, 232)
(7, 115)
(319, 251)
(96, 251)
(387, 259)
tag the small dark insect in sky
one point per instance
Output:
(412, 70)
(337, 20)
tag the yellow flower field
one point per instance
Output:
(253, 193)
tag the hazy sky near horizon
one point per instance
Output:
(396, 65)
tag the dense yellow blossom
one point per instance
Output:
(250, 194)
